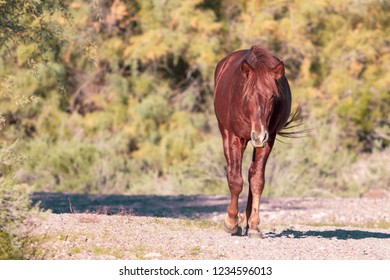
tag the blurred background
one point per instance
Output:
(116, 96)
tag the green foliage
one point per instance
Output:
(29, 22)
(176, 30)
(16, 218)
(117, 96)
(318, 162)
(30, 36)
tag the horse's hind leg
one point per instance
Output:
(246, 214)
(233, 149)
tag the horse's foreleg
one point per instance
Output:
(235, 183)
(233, 148)
(256, 185)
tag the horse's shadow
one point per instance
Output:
(191, 207)
(340, 234)
(180, 206)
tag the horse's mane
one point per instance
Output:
(263, 70)
(264, 57)
(264, 64)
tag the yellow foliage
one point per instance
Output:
(24, 53)
(118, 10)
(153, 98)
(179, 29)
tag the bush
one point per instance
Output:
(16, 219)
(319, 165)
(125, 104)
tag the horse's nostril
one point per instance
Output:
(254, 136)
(265, 136)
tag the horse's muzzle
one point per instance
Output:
(259, 140)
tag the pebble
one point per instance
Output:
(153, 256)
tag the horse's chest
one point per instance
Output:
(240, 122)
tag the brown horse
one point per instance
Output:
(252, 102)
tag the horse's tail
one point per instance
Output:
(296, 120)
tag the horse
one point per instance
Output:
(252, 103)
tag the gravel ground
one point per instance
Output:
(190, 227)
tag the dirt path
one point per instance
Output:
(189, 227)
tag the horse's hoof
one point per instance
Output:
(232, 229)
(255, 234)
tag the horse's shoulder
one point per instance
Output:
(229, 63)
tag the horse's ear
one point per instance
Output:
(279, 70)
(246, 68)
(249, 63)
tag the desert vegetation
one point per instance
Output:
(116, 97)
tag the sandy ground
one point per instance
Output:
(190, 227)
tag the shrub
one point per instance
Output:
(16, 219)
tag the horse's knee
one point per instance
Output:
(235, 182)
(256, 180)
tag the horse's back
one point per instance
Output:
(227, 81)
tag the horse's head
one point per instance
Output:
(261, 71)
